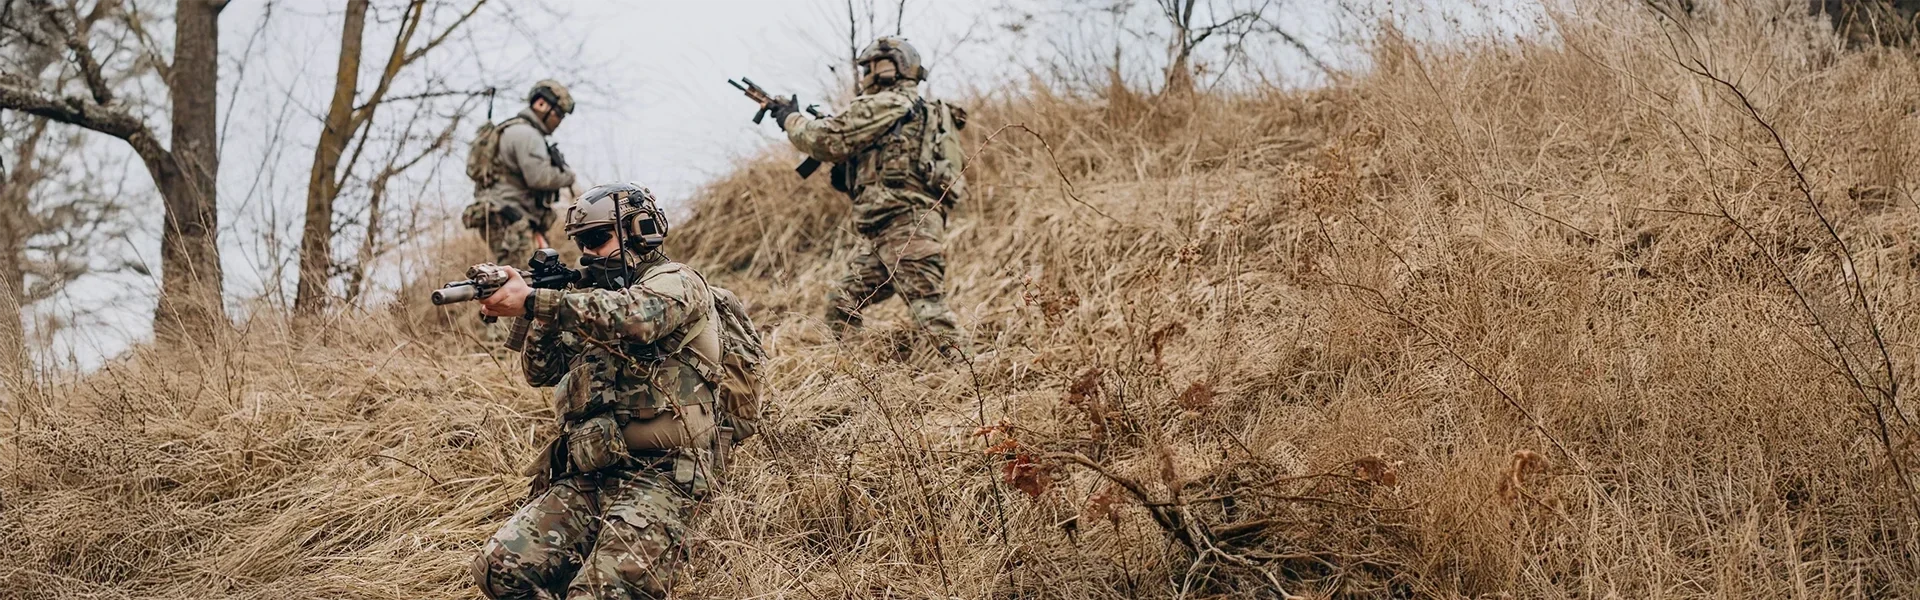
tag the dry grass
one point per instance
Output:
(1539, 319)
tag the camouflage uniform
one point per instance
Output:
(614, 356)
(904, 224)
(520, 202)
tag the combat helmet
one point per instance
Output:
(905, 59)
(625, 210)
(554, 93)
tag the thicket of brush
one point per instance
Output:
(1543, 319)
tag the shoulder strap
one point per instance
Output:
(707, 366)
(919, 106)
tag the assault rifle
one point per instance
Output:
(767, 102)
(486, 278)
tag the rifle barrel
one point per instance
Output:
(457, 292)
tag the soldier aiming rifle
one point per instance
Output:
(898, 157)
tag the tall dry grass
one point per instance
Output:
(1536, 319)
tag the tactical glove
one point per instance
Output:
(781, 108)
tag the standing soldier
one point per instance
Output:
(896, 156)
(517, 175)
(631, 351)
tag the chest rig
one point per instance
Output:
(638, 405)
(639, 380)
(894, 160)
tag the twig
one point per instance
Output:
(436, 480)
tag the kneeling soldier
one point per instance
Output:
(631, 351)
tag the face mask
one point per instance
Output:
(604, 272)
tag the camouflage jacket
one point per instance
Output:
(877, 134)
(620, 350)
(528, 180)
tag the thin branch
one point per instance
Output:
(137, 24)
(435, 42)
(75, 33)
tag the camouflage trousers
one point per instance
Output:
(907, 256)
(611, 535)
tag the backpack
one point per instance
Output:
(942, 158)
(483, 157)
(743, 362)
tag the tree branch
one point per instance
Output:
(435, 42)
(396, 60)
(138, 26)
(75, 30)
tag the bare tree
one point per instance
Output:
(344, 121)
(190, 304)
(1234, 23)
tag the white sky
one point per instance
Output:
(649, 77)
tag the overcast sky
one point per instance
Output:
(649, 77)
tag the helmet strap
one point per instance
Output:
(620, 233)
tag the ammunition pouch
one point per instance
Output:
(598, 446)
(595, 444)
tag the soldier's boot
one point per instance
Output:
(842, 315)
(931, 314)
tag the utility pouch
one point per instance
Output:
(595, 444)
(510, 214)
(570, 394)
(475, 215)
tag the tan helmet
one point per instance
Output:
(905, 59)
(643, 224)
(554, 93)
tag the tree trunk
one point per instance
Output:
(316, 238)
(190, 307)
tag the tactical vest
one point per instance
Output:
(624, 402)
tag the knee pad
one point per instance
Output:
(483, 575)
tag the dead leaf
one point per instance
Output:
(1028, 476)
(1198, 397)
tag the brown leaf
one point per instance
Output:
(1085, 387)
(1377, 470)
(1168, 474)
(1514, 478)
(1028, 476)
(1158, 339)
(1101, 505)
(1198, 397)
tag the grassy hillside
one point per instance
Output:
(1525, 319)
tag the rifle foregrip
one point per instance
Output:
(807, 167)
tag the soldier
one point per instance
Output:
(631, 351)
(518, 174)
(879, 146)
